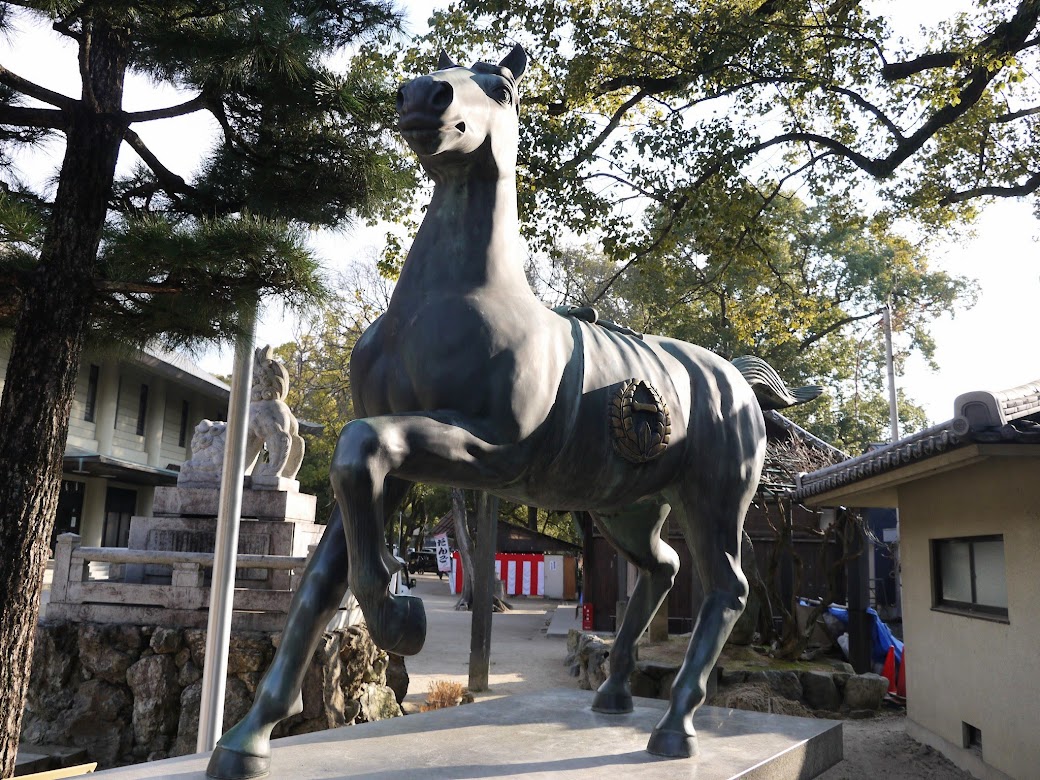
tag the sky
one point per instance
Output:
(987, 347)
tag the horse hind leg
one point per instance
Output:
(636, 533)
(712, 518)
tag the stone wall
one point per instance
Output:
(129, 693)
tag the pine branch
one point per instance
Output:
(144, 288)
(32, 117)
(33, 90)
(170, 181)
(197, 103)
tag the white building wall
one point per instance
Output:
(963, 669)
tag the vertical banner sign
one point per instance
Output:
(443, 553)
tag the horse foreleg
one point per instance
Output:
(245, 750)
(636, 533)
(414, 447)
(712, 519)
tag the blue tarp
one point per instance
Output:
(882, 639)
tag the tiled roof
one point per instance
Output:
(979, 417)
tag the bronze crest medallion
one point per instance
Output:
(639, 421)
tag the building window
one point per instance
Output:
(183, 438)
(90, 408)
(142, 409)
(969, 576)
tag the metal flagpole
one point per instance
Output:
(222, 589)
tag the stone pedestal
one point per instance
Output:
(184, 520)
(553, 734)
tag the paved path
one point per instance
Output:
(523, 658)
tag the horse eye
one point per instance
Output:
(503, 95)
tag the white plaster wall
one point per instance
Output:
(126, 443)
(964, 669)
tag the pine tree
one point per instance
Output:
(154, 255)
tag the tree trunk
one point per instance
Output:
(483, 592)
(465, 544)
(532, 518)
(45, 356)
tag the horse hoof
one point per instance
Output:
(672, 744)
(227, 764)
(612, 702)
(402, 625)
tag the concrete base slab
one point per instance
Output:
(552, 734)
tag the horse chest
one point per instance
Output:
(436, 355)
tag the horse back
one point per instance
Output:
(616, 385)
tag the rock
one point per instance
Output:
(250, 651)
(236, 703)
(819, 691)
(785, 684)
(182, 657)
(378, 702)
(165, 640)
(735, 677)
(397, 676)
(840, 678)
(843, 666)
(865, 691)
(153, 681)
(98, 721)
(99, 654)
(643, 684)
(188, 673)
(593, 652)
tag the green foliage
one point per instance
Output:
(632, 108)
(801, 287)
(302, 144)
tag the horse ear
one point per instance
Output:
(444, 61)
(516, 62)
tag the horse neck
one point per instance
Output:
(469, 239)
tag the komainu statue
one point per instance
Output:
(272, 426)
(206, 464)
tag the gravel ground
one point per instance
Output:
(525, 660)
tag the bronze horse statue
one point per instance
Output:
(468, 380)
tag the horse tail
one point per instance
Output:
(769, 388)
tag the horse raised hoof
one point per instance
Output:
(400, 625)
(672, 744)
(612, 702)
(228, 764)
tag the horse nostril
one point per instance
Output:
(441, 96)
(400, 98)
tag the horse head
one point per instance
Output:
(458, 116)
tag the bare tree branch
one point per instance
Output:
(1026, 187)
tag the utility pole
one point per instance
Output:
(893, 422)
(229, 514)
(893, 411)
